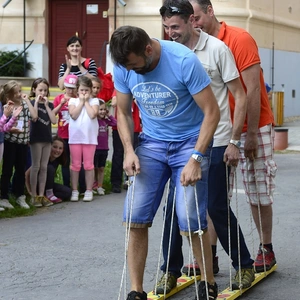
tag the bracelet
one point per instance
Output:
(198, 153)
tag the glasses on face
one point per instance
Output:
(172, 10)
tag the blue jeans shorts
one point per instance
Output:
(159, 160)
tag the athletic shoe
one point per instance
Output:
(5, 203)
(75, 196)
(88, 196)
(54, 199)
(264, 253)
(2, 209)
(21, 201)
(101, 191)
(247, 277)
(189, 269)
(167, 282)
(36, 201)
(212, 291)
(45, 202)
(133, 295)
(116, 189)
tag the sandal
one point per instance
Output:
(133, 295)
(212, 291)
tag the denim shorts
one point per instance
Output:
(159, 160)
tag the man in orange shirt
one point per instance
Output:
(256, 144)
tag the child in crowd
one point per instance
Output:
(6, 124)
(55, 192)
(104, 120)
(15, 145)
(83, 131)
(40, 141)
(61, 107)
(97, 85)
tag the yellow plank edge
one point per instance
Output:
(182, 282)
(185, 281)
(227, 294)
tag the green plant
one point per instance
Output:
(12, 64)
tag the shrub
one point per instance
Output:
(16, 66)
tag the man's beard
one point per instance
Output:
(146, 68)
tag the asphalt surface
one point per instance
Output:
(76, 250)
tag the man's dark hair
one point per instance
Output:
(182, 8)
(126, 40)
(203, 4)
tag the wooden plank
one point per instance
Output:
(185, 281)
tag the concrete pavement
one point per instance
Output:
(76, 250)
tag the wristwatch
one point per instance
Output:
(236, 143)
(197, 157)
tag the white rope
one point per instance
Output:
(238, 236)
(259, 217)
(228, 224)
(127, 236)
(170, 240)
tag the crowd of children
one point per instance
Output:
(80, 146)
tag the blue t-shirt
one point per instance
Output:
(164, 95)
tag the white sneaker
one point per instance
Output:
(21, 201)
(5, 203)
(101, 191)
(75, 196)
(2, 209)
(88, 196)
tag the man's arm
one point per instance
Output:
(125, 128)
(251, 78)
(208, 104)
(231, 155)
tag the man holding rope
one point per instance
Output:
(180, 115)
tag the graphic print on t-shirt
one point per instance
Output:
(156, 99)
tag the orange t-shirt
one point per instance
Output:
(245, 52)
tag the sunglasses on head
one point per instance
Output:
(172, 10)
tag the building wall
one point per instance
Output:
(275, 24)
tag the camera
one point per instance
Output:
(123, 3)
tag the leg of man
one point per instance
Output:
(137, 254)
(141, 205)
(259, 184)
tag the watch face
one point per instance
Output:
(198, 158)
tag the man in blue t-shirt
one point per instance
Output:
(180, 115)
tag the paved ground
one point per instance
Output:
(76, 250)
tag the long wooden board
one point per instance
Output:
(185, 281)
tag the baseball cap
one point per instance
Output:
(71, 81)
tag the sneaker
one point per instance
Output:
(21, 201)
(133, 295)
(54, 199)
(247, 277)
(75, 196)
(116, 189)
(269, 258)
(101, 191)
(45, 202)
(189, 269)
(2, 209)
(88, 196)
(167, 282)
(36, 201)
(5, 203)
(212, 291)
